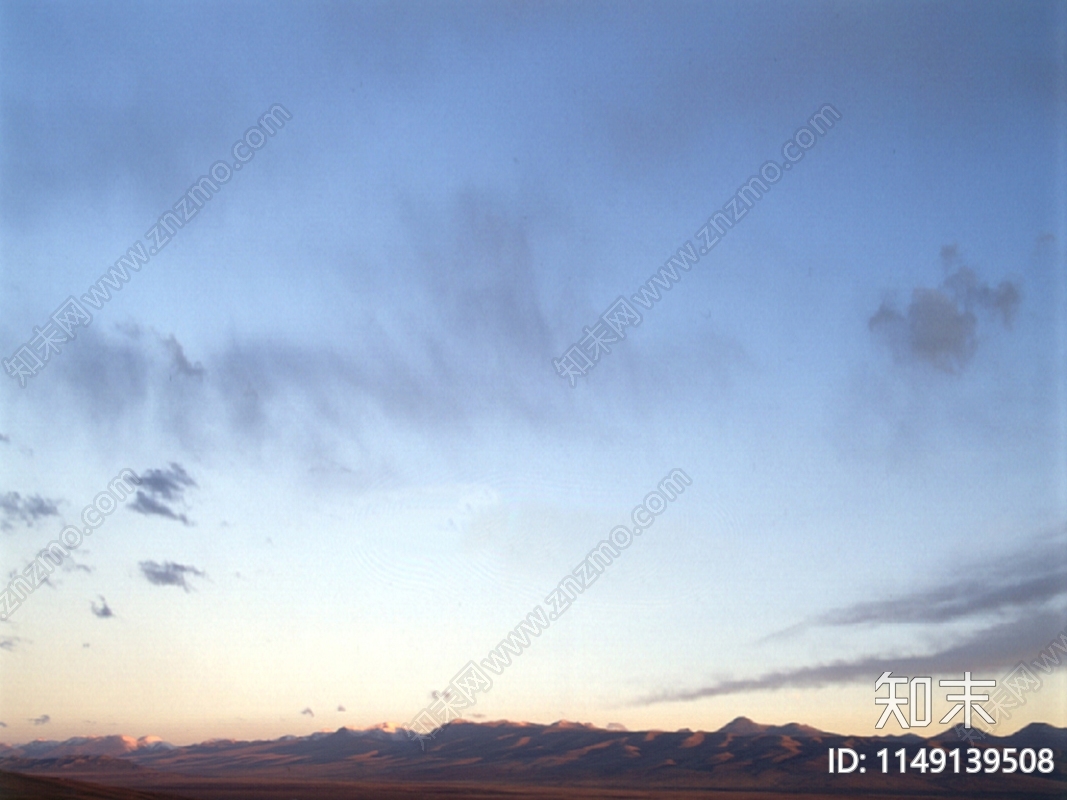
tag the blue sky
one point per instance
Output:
(340, 372)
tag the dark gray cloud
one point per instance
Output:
(9, 643)
(143, 504)
(44, 719)
(990, 650)
(939, 326)
(169, 484)
(168, 573)
(157, 488)
(103, 610)
(29, 509)
(307, 712)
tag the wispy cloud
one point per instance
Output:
(44, 719)
(9, 643)
(179, 362)
(169, 573)
(168, 484)
(159, 488)
(1014, 597)
(476, 300)
(939, 326)
(70, 565)
(144, 504)
(1034, 576)
(307, 712)
(993, 648)
(962, 599)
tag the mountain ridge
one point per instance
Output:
(118, 745)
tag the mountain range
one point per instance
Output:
(541, 760)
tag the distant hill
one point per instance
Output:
(742, 756)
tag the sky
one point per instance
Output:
(339, 382)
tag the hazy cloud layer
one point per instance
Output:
(472, 337)
(14, 507)
(168, 573)
(44, 719)
(441, 370)
(939, 326)
(157, 488)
